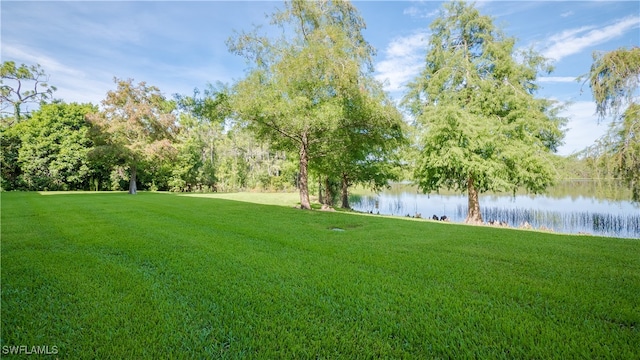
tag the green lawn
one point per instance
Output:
(162, 276)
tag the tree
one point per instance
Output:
(30, 85)
(52, 152)
(137, 124)
(614, 79)
(294, 94)
(202, 120)
(365, 149)
(482, 128)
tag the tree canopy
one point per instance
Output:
(296, 91)
(50, 150)
(482, 128)
(614, 78)
(202, 117)
(365, 150)
(137, 123)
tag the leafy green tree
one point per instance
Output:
(23, 84)
(614, 79)
(365, 149)
(137, 124)
(54, 148)
(294, 94)
(482, 128)
(188, 162)
(202, 120)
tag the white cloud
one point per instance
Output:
(573, 41)
(566, 14)
(412, 11)
(557, 79)
(403, 60)
(416, 12)
(31, 57)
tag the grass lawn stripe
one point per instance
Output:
(108, 275)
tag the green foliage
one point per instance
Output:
(52, 149)
(202, 120)
(295, 94)
(248, 163)
(614, 79)
(364, 150)
(105, 275)
(136, 125)
(573, 167)
(627, 150)
(482, 128)
(10, 144)
(211, 106)
(23, 84)
(187, 167)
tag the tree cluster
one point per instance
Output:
(309, 114)
(312, 91)
(138, 138)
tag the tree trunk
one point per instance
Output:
(328, 192)
(320, 198)
(345, 192)
(473, 216)
(304, 175)
(133, 189)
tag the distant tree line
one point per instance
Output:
(309, 115)
(139, 140)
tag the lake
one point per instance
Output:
(578, 206)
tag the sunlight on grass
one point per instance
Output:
(282, 199)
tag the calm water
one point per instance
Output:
(573, 207)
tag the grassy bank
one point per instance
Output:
(109, 275)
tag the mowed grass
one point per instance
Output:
(109, 275)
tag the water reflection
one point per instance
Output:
(590, 207)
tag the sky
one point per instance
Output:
(179, 45)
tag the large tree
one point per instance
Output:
(294, 94)
(614, 79)
(23, 84)
(137, 124)
(365, 149)
(482, 128)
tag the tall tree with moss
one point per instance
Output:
(474, 103)
(294, 94)
(137, 124)
(20, 85)
(614, 79)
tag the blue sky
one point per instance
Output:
(178, 46)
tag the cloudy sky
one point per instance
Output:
(178, 46)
